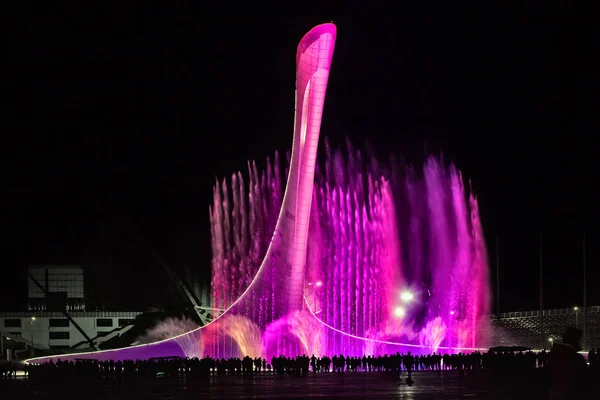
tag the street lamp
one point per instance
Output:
(31, 321)
(576, 309)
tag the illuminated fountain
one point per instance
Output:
(345, 258)
(433, 333)
(297, 333)
(235, 332)
(191, 344)
(416, 277)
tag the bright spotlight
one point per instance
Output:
(399, 311)
(407, 296)
(319, 283)
(451, 312)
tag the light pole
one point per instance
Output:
(576, 309)
(497, 277)
(585, 340)
(31, 321)
(541, 293)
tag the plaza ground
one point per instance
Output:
(355, 385)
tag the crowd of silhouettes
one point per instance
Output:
(566, 372)
(172, 367)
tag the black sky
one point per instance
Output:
(134, 112)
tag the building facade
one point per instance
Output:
(52, 330)
(55, 288)
(523, 328)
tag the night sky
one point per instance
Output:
(132, 113)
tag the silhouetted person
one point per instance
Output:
(593, 358)
(408, 363)
(567, 369)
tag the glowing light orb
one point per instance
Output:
(407, 296)
(399, 312)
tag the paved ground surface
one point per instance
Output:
(358, 385)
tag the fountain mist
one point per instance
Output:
(362, 255)
(191, 344)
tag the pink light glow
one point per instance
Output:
(433, 334)
(407, 296)
(397, 345)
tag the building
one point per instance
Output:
(522, 328)
(56, 318)
(55, 288)
(53, 330)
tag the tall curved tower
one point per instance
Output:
(313, 62)
(285, 258)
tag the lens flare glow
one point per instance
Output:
(407, 296)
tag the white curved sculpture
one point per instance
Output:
(313, 62)
(286, 254)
